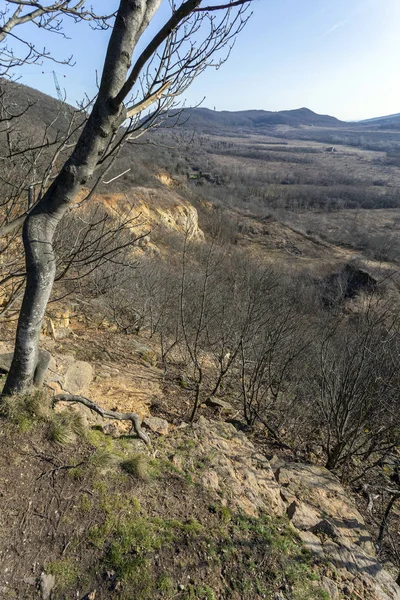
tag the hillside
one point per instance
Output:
(220, 413)
(204, 119)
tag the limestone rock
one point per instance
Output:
(331, 588)
(236, 468)
(210, 480)
(303, 516)
(312, 543)
(78, 377)
(62, 333)
(47, 584)
(5, 361)
(326, 528)
(157, 425)
(331, 527)
(217, 403)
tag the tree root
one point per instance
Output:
(107, 414)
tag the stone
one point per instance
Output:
(157, 425)
(78, 377)
(327, 529)
(210, 480)
(47, 585)
(62, 332)
(5, 361)
(302, 515)
(312, 543)
(110, 429)
(331, 588)
(236, 466)
(217, 403)
(287, 497)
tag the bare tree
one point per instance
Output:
(184, 46)
(358, 386)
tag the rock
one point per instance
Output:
(5, 361)
(303, 516)
(62, 333)
(110, 429)
(47, 584)
(330, 587)
(235, 467)
(78, 377)
(312, 543)
(276, 462)
(217, 403)
(287, 497)
(144, 351)
(210, 480)
(157, 425)
(326, 528)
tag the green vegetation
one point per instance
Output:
(137, 466)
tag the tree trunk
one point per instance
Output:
(39, 229)
(334, 456)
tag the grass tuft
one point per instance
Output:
(137, 466)
(23, 410)
(65, 427)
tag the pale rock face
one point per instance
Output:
(318, 507)
(332, 528)
(154, 207)
(249, 484)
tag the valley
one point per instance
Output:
(233, 281)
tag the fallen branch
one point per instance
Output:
(107, 414)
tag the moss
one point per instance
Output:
(166, 586)
(222, 511)
(66, 571)
(194, 592)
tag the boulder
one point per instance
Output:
(78, 377)
(331, 588)
(303, 516)
(157, 425)
(217, 403)
(5, 361)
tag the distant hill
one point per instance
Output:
(39, 112)
(204, 119)
(385, 122)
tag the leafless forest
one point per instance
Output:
(282, 301)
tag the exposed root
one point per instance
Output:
(107, 414)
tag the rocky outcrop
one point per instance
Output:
(154, 207)
(321, 511)
(332, 528)
(234, 468)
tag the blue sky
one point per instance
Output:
(338, 57)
